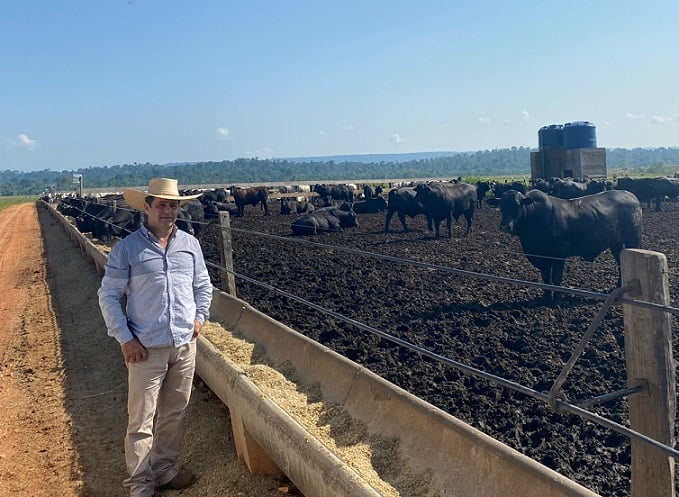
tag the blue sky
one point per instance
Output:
(103, 82)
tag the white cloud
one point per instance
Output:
(485, 120)
(632, 117)
(525, 115)
(321, 133)
(348, 127)
(223, 134)
(395, 139)
(660, 120)
(23, 141)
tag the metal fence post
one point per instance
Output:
(228, 279)
(648, 356)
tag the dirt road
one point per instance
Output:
(63, 382)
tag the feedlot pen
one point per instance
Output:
(276, 262)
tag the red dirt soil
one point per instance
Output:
(63, 382)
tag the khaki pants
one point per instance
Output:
(159, 387)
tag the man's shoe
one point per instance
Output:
(184, 479)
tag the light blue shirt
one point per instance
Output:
(167, 289)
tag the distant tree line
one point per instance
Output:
(507, 162)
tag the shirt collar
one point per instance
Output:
(148, 234)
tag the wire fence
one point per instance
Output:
(203, 223)
(557, 404)
(551, 398)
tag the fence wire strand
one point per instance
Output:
(560, 405)
(461, 272)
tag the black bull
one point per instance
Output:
(402, 201)
(551, 229)
(326, 220)
(447, 201)
(250, 196)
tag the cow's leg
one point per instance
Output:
(557, 276)
(616, 249)
(402, 218)
(449, 223)
(437, 224)
(469, 216)
(390, 214)
(546, 273)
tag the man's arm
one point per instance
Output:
(110, 293)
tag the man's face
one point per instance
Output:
(161, 213)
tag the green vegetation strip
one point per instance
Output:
(7, 201)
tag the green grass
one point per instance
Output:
(21, 199)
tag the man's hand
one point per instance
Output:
(197, 326)
(133, 351)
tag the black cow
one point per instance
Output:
(551, 229)
(286, 208)
(196, 211)
(541, 184)
(482, 187)
(597, 186)
(647, 189)
(446, 201)
(124, 221)
(212, 209)
(90, 215)
(92, 212)
(500, 188)
(370, 205)
(571, 188)
(567, 188)
(666, 188)
(213, 195)
(402, 200)
(71, 206)
(183, 221)
(327, 219)
(335, 192)
(304, 207)
(108, 217)
(250, 196)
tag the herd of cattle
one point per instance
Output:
(554, 219)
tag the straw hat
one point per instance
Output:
(158, 187)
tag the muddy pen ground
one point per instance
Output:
(503, 329)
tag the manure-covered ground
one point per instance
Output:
(500, 328)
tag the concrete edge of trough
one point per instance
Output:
(315, 469)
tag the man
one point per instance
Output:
(161, 271)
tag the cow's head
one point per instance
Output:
(512, 207)
(347, 219)
(422, 191)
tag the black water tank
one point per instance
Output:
(550, 136)
(579, 134)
